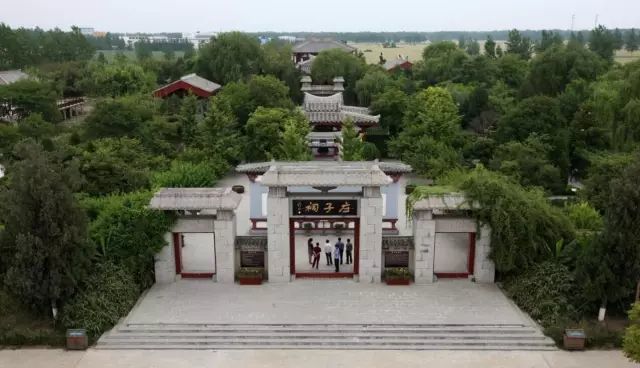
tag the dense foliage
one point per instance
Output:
(631, 343)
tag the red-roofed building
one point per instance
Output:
(193, 83)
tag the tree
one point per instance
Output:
(219, 133)
(603, 169)
(351, 142)
(430, 127)
(441, 61)
(631, 338)
(374, 82)
(499, 52)
(44, 252)
(115, 165)
(293, 141)
(602, 42)
(119, 117)
(32, 96)
(528, 163)
(337, 63)
(549, 39)
(512, 70)
(277, 62)
(518, 44)
(264, 130)
(390, 105)
(229, 57)
(551, 70)
(490, 47)
(540, 115)
(118, 79)
(616, 256)
(473, 48)
(188, 122)
(618, 39)
(632, 40)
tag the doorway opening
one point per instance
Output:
(195, 254)
(454, 255)
(320, 230)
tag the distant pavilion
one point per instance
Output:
(192, 83)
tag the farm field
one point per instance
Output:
(414, 51)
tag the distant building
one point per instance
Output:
(87, 31)
(399, 63)
(305, 50)
(198, 39)
(191, 83)
(12, 76)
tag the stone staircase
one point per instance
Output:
(325, 336)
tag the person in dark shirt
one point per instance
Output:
(340, 246)
(316, 256)
(349, 248)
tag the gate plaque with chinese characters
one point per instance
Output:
(325, 207)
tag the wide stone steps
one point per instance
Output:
(329, 336)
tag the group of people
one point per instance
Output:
(333, 253)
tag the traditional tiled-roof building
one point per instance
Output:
(193, 83)
(305, 50)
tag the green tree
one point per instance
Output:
(603, 169)
(632, 40)
(618, 39)
(264, 130)
(374, 82)
(441, 61)
(277, 62)
(518, 44)
(118, 79)
(602, 42)
(219, 133)
(119, 117)
(528, 163)
(490, 47)
(351, 142)
(390, 105)
(631, 338)
(44, 252)
(551, 70)
(188, 122)
(33, 97)
(229, 57)
(293, 141)
(473, 48)
(540, 115)
(512, 70)
(334, 63)
(112, 165)
(548, 39)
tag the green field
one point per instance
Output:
(414, 51)
(131, 55)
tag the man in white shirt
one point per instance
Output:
(328, 249)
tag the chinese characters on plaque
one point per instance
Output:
(325, 207)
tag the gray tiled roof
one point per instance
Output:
(11, 76)
(331, 109)
(317, 46)
(442, 202)
(195, 199)
(197, 81)
(319, 173)
(262, 167)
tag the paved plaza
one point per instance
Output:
(52, 358)
(308, 301)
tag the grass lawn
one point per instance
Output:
(18, 326)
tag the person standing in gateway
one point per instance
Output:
(310, 250)
(327, 251)
(336, 256)
(316, 256)
(349, 251)
(340, 245)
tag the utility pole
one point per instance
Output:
(595, 24)
(573, 21)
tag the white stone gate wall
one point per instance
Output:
(424, 236)
(370, 257)
(278, 254)
(225, 238)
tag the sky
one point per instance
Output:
(322, 15)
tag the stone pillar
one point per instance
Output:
(424, 236)
(278, 235)
(165, 262)
(484, 269)
(224, 227)
(370, 257)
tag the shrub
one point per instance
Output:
(397, 273)
(544, 291)
(598, 334)
(108, 295)
(584, 217)
(128, 233)
(190, 175)
(631, 339)
(370, 152)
